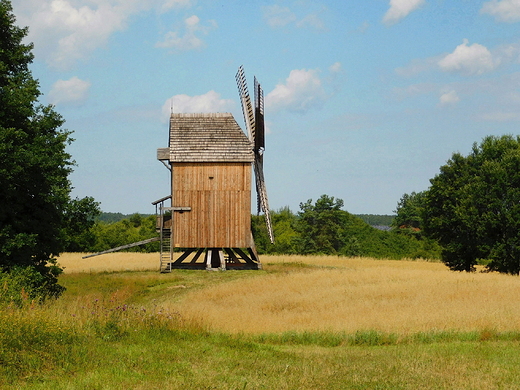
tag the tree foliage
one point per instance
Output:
(133, 229)
(36, 212)
(80, 217)
(320, 225)
(408, 219)
(377, 219)
(323, 227)
(473, 207)
(409, 211)
(283, 221)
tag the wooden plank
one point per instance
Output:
(183, 256)
(119, 248)
(197, 256)
(220, 199)
(163, 154)
(179, 209)
(161, 200)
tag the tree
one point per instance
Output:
(473, 207)
(408, 214)
(80, 217)
(321, 226)
(127, 231)
(283, 221)
(34, 165)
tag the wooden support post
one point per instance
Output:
(222, 260)
(208, 260)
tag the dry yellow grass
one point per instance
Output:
(336, 294)
(359, 294)
(117, 261)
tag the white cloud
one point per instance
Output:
(311, 20)
(335, 67)
(277, 16)
(301, 91)
(73, 91)
(166, 5)
(414, 90)
(469, 60)
(449, 97)
(65, 31)
(188, 41)
(209, 102)
(399, 9)
(419, 65)
(363, 28)
(503, 10)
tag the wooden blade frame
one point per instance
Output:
(247, 107)
(254, 120)
(262, 193)
(259, 117)
(259, 157)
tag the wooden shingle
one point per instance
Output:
(214, 137)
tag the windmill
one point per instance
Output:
(208, 224)
(254, 120)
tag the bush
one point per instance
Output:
(23, 285)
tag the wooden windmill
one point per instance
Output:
(208, 224)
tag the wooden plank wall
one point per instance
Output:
(219, 195)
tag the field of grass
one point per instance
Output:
(300, 323)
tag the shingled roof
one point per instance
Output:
(214, 137)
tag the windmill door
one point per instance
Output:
(219, 198)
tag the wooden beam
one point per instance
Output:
(183, 256)
(163, 154)
(119, 248)
(177, 209)
(162, 200)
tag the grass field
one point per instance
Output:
(300, 323)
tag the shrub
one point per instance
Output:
(25, 284)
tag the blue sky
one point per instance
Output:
(365, 99)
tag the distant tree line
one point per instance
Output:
(377, 220)
(371, 219)
(107, 235)
(323, 227)
(320, 227)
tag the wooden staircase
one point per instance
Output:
(164, 228)
(166, 250)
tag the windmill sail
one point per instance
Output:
(259, 117)
(247, 107)
(259, 142)
(254, 120)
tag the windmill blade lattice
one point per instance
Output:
(255, 125)
(262, 194)
(259, 143)
(259, 117)
(247, 107)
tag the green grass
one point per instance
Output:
(109, 332)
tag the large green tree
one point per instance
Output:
(321, 226)
(35, 203)
(408, 219)
(473, 207)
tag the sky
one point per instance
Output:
(364, 99)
